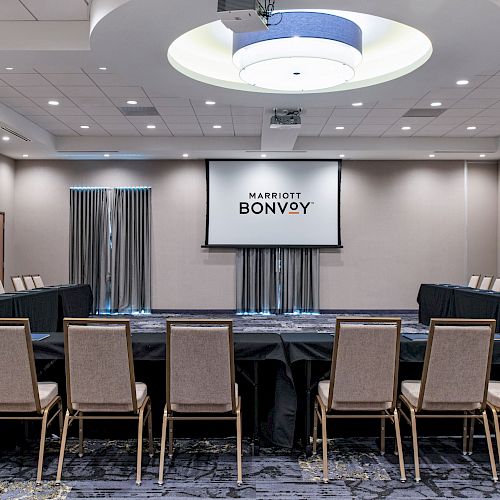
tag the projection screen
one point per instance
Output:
(267, 203)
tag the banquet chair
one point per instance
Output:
(485, 283)
(474, 281)
(2, 289)
(18, 284)
(454, 381)
(100, 380)
(200, 379)
(28, 282)
(363, 379)
(22, 397)
(37, 279)
(496, 286)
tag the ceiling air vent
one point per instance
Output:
(14, 132)
(139, 111)
(423, 113)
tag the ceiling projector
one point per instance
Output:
(242, 16)
(286, 119)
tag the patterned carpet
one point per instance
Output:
(207, 469)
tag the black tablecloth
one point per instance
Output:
(46, 307)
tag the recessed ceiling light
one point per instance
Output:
(436, 104)
(5, 138)
(54, 103)
(263, 155)
(150, 126)
(9, 69)
(209, 103)
(357, 104)
(472, 127)
(132, 102)
(25, 156)
(216, 126)
(432, 156)
(341, 156)
(482, 156)
(84, 126)
(103, 68)
(406, 128)
(463, 82)
(185, 155)
(106, 155)
(339, 128)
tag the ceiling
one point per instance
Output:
(129, 38)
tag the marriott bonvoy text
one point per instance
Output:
(296, 207)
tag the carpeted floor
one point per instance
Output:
(207, 469)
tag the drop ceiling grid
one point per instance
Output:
(44, 10)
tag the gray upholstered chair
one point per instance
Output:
(496, 286)
(485, 283)
(363, 379)
(474, 281)
(2, 289)
(200, 379)
(28, 282)
(454, 380)
(37, 280)
(22, 397)
(18, 283)
(100, 380)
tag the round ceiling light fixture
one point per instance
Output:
(304, 51)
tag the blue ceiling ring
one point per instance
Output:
(306, 25)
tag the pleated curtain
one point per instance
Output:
(277, 280)
(110, 246)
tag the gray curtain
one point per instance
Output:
(131, 250)
(89, 242)
(277, 280)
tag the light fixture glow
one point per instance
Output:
(9, 69)
(341, 156)
(482, 156)
(463, 82)
(185, 155)
(106, 155)
(103, 68)
(53, 103)
(357, 104)
(210, 103)
(150, 126)
(339, 128)
(216, 126)
(432, 156)
(5, 138)
(471, 128)
(84, 126)
(25, 156)
(406, 128)
(436, 104)
(263, 155)
(131, 102)
(305, 51)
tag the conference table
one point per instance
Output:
(452, 301)
(46, 307)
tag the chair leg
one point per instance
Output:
(42, 446)
(497, 429)
(80, 437)
(61, 417)
(399, 446)
(490, 446)
(171, 438)
(150, 432)
(415, 444)
(471, 435)
(63, 446)
(465, 428)
(140, 427)
(315, 428)
(324, 439)
(162, 447)
(238, 444)
(382, 435)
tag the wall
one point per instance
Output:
(7, 205)
(403, 223)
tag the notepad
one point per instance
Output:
(35, 337)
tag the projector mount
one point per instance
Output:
(265, 9)
(286, 118)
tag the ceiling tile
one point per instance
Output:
(57, 10)
(475, 103)
(246, 119)
(144, 120)
(92, 101)
(109, 79)
(127, 92)
(349, 112)
(324, 112)
(331, 131)
(212, 110)
(246, 111)
(180, 120)
(160, 130)
(24, 79)
(121, 130)
(122, 101)
(65, 79)
(13, 10)
(86, 91)
(111, 120)
(493, 82)
(226, 130)
(485, 93)
(9, 92)
(166, 102)
(247, 130)
(16, 101)
(101, 111)
(310, 130)
(45, 91)
(31, 111)
(213, 120)
(183, 111)
(369, 130)
(433, 130)
(397, 103)
(314, 120)
(185, 130)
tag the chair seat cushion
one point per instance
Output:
(494, 393)
(141, 391)
(47, 391)
(205, 408)
(324, 389)
(410, 389)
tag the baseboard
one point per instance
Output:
(321, 311)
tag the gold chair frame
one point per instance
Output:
(478, 281)
(41, 414)
(168, 414)
(142, 414)
(321, 412)
(26, 278)
(472, 415)
(14, 285)
(490, 284)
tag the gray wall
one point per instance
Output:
(7, 174)
(403, 223)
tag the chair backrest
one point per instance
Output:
(18, 283)
(200, 366)
(485, 283)
(18, 382)
(99, 365)
(37, 279)
(457, 364)
(28, 282)
(365, 362)
(496, 285)
(2, 289)
(474, 281)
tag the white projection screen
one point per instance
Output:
(267, 203)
